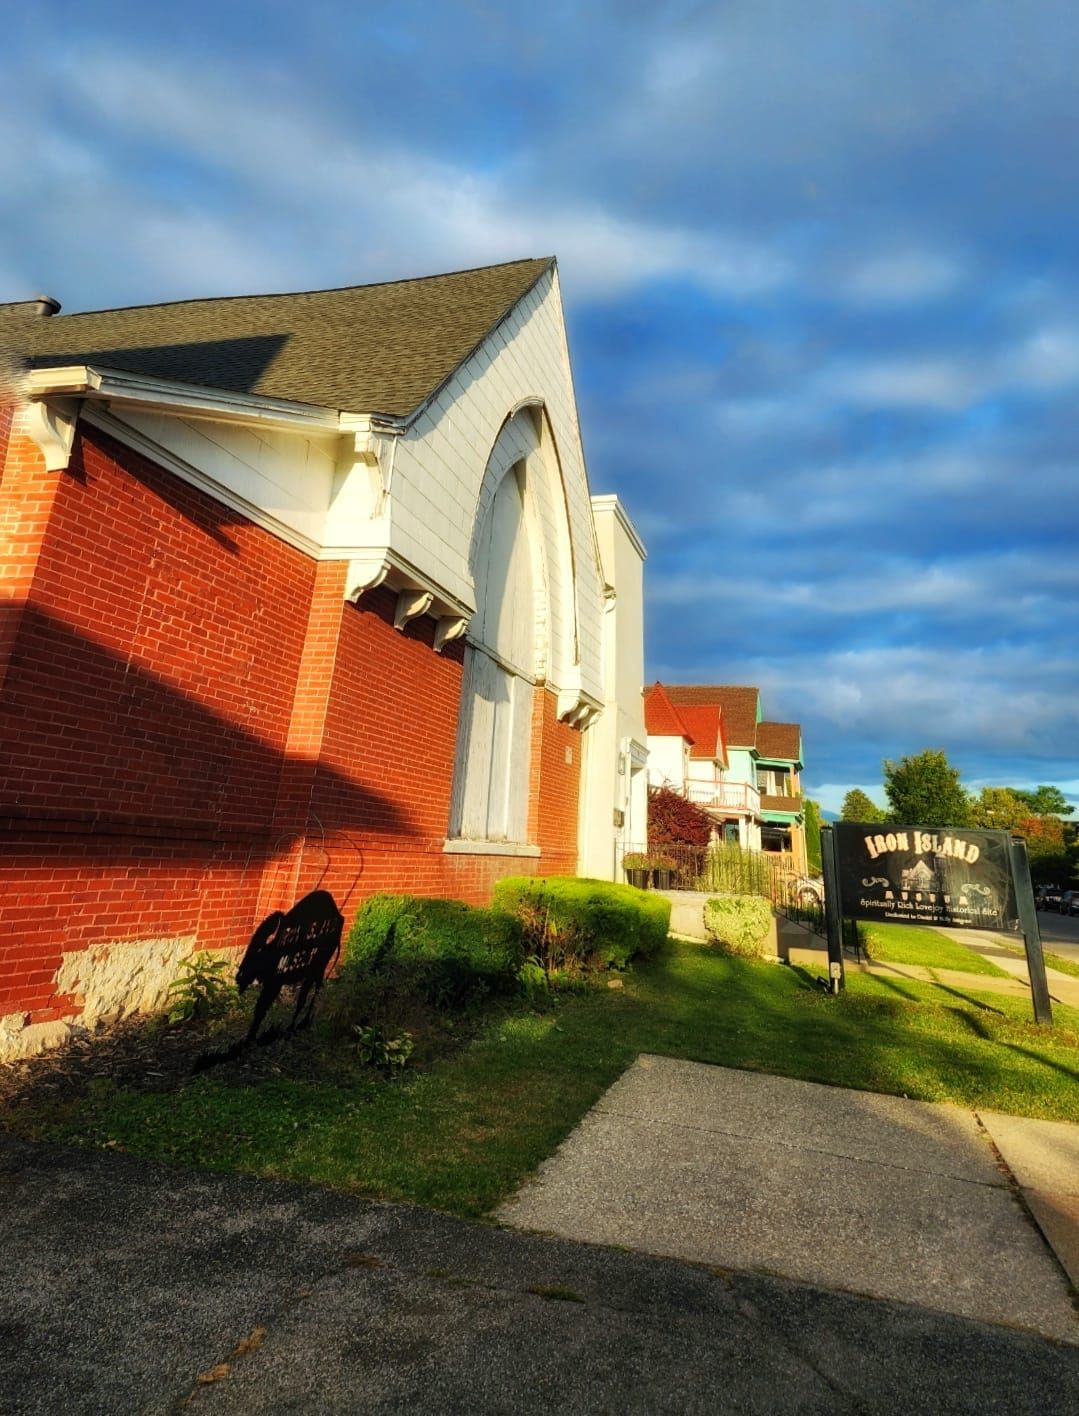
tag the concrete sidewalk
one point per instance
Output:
(800, 946)
(1063, 988)
(122, 1283)
(875, 1194)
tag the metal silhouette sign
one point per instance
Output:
(288, 950)
(292, 950)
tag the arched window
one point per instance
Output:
(491, 782)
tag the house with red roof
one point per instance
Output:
(710, 743)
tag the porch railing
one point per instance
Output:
(725, 796)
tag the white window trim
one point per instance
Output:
(457, 845)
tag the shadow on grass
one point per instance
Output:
(967, 998)
(462, 1132)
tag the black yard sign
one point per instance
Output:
(935, 876)
(926, 875)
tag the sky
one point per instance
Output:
(821, 278)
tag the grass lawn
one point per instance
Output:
(911, 944)
(464, 1132)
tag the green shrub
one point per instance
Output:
(442, 951)
(738, 924)
(581, 924)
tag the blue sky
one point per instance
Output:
(821, 275)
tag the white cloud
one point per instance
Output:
(948, 384)
(1048, 360)
(945, 591)
(901, 277)
(970, 701)
(381, 210)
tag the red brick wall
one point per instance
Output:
(197, 727)
(7, 409)
(154, 646)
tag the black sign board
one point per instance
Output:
(926, 875)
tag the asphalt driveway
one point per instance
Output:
(123, 1283)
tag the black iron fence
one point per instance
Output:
(727, 869)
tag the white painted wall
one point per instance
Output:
(611, 779)
(286, 479)
(491, 775)
(667, 762)
(439, 483)
(703, 772)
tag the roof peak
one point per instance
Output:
(385, 348)
(546, 262)
(668, 715)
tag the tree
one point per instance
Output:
(924, 790)
(1050, 860)
(812, 818)
(998, 809)
(674, 821)
(1045, 801)
(858, 807)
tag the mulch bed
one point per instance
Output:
(147, 1054)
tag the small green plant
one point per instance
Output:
(375, 1049)
(200, 990)
(637, 860)
(738, 924)
(533, 977)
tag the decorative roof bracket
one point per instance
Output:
(51, 426)
(411, 603)
(449, 627)
(416, 595)
(577, 708)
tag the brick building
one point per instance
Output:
(298, 589)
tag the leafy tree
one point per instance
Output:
(1045, 801)
(812, 819)
(998, 809)
(925, 790)
(1050, 860)
(858, 807)
(674, 821)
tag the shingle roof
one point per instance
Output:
(365, 349)
(780, 740)
(661, 718)
(739, 705)
(705, 722)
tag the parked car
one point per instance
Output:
(808, 890)
(1069, 902)
(1047, 897)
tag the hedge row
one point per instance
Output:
(443, 950)
(440, 950)
(593, 923)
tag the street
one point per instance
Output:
(1060, 933)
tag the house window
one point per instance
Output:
(494, 740)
